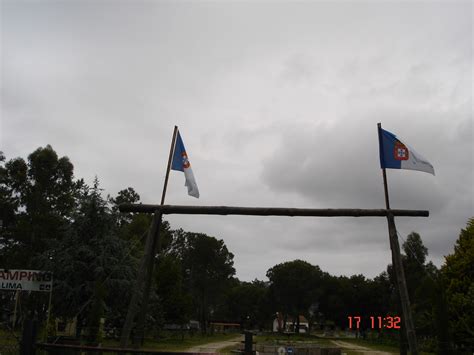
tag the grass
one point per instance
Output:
(228, 349)
(7, 337)
(9, 343)
(289, 338)
(175, 343)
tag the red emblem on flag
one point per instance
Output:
(400, 151)
(186, 163)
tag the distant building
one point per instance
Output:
(225, 327)
(280, 325)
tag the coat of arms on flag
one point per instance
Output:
(400, 151)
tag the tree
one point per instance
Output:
(38, 197)
(207, 268)
(247, 303)
(294, 287)
(380, 292)
(344, 296)
(8, 208)
(128, 195)
(427, 297)
(92, 265)
(175, 300)
(458, 275)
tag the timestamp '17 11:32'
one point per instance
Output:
(377, 322)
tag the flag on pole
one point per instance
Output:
(397, 155)
(181, 163)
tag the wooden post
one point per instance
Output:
(397, 264)
(137, 292)
(248, 343)
(17, 295)
(48, 319)
(145, 273)
(148, 270)
(28, 337)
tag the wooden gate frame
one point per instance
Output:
(140, 294)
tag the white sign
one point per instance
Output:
(26, 280)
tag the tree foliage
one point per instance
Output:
(458, 274)
(247, 303)
(92, 264)
(207, 268)
(427, 297)
(176, 301)
(38, 196)
(295, 285)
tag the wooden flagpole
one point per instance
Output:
(157, 219)
(143, 284)
(168, 168)
(397, 263)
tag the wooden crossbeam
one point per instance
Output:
(270, 211)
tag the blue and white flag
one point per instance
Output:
(397, 155)
(181, 163)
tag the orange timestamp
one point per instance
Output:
(376, 322)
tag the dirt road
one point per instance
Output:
(214, 347)
(362, 349)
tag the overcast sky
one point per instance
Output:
(277, 104)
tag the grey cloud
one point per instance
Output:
(277, 105)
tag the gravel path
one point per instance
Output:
(214, 347)
(363, 350)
